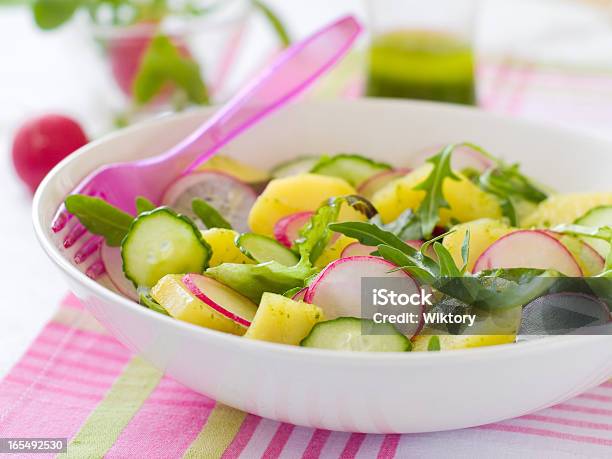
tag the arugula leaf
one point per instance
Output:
(408, 264)
(209, 215)
(317, 233)
(275, 22)
(407, 226)
(144, 205)
(163, 63)
(100, 218)
(507, 183)
(50, 14)
(434, 343)
(448, 268)
(428, 211)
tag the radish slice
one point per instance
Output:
(299, 296)
(111, 257)
(337, 289)
(529, 249)
(464, 157)
(231, 197)
(563, 313)
(378, 181)
(287, 229)
(356, 249)
(222, 299)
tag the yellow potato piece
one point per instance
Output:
(172, 294)
(235, 168)
(334, 250)
(282, 320)
(224, 250)
(467, 202)
(289, 195)
(565, 208)
(453, 342)
(483, 233)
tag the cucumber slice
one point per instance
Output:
(162, 242)
(355, 169)
(597, 217)
(262, 249)
(297, 166)
(345, 334)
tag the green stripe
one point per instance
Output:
(220, 429)
(114, 412)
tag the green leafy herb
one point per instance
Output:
(144, 205)
(163, 63)
(507, 183)
(434, 343)
(209, 215)
(448, 268)
(147, 301)
(50, 14)
(429, 210)
(407, 226)
(274, 21)
(100, 218)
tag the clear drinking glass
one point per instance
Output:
(422, 50)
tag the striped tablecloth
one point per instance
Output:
(78, 382)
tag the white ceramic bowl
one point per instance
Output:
(376, 393)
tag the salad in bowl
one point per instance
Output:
(280, 255)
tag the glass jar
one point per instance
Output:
(422, 50)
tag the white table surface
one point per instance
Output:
(43, 72)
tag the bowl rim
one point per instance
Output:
(501, 350)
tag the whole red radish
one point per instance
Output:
(43, 142)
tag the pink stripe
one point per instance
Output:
(598, 397)
(71, 301)
(245, 433)
(517, 96)
(81, 333)
(48, 388)
(161, 433)
(352, 445)
(389, 446)
(116, 355)
(607, 384)
(568, 422)
(279, 441)
(582, 409)
(60, 376)
(547, 433)
(28, 413)
(107, 369)
(316, 444)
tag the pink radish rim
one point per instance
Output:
(399, 172)
(280, 227)
(110, 269)
(200, 295)
(542, 232)
(300, 294)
